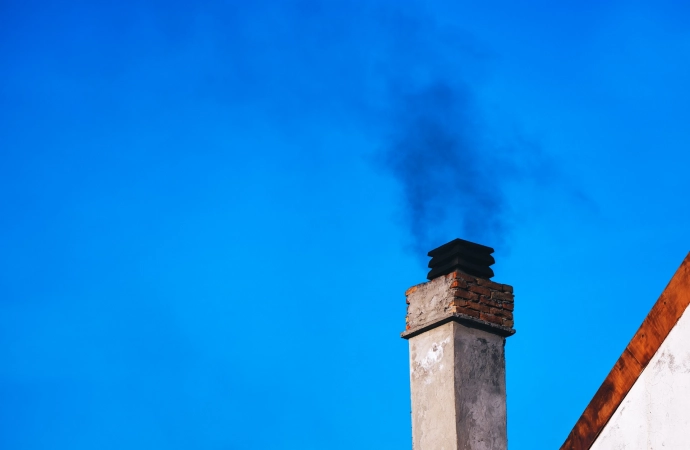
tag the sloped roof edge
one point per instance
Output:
(656, 326)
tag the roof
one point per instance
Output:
(656, 326)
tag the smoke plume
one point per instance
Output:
(446, 170)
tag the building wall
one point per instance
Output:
(656, 412)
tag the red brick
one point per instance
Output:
(457, 302)
(501, 313)
(490, 318)
(508, 323)
(504, 296)
(464, 276)
(480, 290)
(490, 284)
(508, 306)
(487, 301)
(507, 288)
(468, 312)
(458, 284)
(465, 294)
(479, 307)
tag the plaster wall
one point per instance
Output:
(480, 389)
(656, 412)
(429, 302)
(432, 388)
(457, 378)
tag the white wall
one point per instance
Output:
(656, 412)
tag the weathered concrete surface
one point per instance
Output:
(457, 377)
(655, 414)
(480, 389)
(432, 384)
(429, 302)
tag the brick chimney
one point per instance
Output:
(456, 328)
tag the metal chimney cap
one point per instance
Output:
(459, 254)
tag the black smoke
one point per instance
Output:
(449, 176)
(396, 71)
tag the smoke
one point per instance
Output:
(394, 70)
(453, 177)
(446, 170)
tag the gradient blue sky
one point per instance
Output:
(210, 211)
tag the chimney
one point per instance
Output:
(457, 323)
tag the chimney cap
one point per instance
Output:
(459, 254)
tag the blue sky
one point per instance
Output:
(211, 211)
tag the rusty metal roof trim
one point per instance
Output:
(654, 329)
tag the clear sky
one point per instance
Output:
(210, 211)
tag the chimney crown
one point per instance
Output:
(462, 298)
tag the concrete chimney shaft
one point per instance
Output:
(456, 328)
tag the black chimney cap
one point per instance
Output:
(458, 254)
